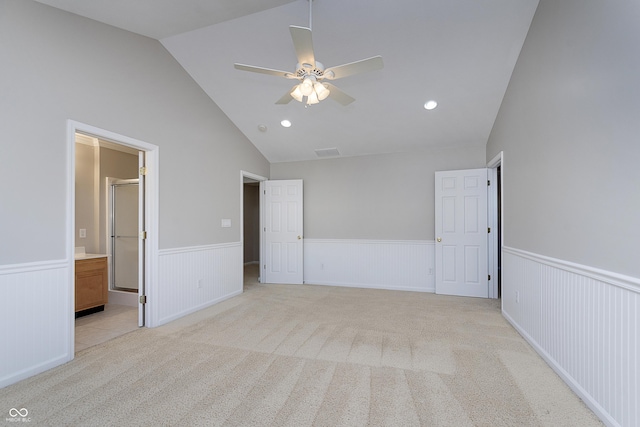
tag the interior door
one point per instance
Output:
(282, 228)
(461, 233)
(142, 236)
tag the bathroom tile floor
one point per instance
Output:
(99, 327)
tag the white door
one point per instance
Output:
(461, 233)
(282, 231)
(142, 236)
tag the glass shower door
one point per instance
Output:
(124, 235)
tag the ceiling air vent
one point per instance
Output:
(327, 152)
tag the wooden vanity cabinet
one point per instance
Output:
(91, 283)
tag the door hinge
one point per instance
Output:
(488, 182)
(265, 267)
(489, 230)
(143, 299)
(489, 277)
(143, 235)
(143, 171)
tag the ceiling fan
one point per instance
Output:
(313, 86)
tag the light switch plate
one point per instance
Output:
(226, 223)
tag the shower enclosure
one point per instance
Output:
(124, 234)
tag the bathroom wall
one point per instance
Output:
(113, 164)
(86, 207)
(94, 164)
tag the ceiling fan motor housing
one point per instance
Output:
(303, 70)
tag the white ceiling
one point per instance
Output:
(458, 52)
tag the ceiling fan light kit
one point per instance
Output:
(311, 73)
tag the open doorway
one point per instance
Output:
(102, 314)
(88, 229)
(250, 214)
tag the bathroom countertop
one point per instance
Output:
(90, 256)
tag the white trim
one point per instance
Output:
(191, 249)
(372, 241)
(245, 174)
(620, 280)
(151, 211)
(498, 160)
(32, 266)
(492, 219)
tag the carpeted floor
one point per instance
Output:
(302, 355)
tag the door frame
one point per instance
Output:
(259, 178)
(151, 214)
(493, 214)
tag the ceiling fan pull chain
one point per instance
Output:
(310, 14)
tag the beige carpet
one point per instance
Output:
(310, 355)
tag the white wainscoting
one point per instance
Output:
(190, 279)
(585, 323)
(36, 319)
(406, 265)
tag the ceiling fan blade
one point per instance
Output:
(364, 65)
(338, 95)
(263, 70)
(286, 98)
(303, 44)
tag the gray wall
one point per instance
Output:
(58, 66)
(569, 127)
(387, 196)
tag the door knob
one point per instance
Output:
(299, 237)
(439, 239)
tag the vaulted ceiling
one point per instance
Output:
(460, 53)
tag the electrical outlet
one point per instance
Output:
(517, 296)
(322, 266)
(199, 284)
(82, 233)
(430, 271)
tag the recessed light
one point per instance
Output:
(286, 123)
(430, 105)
